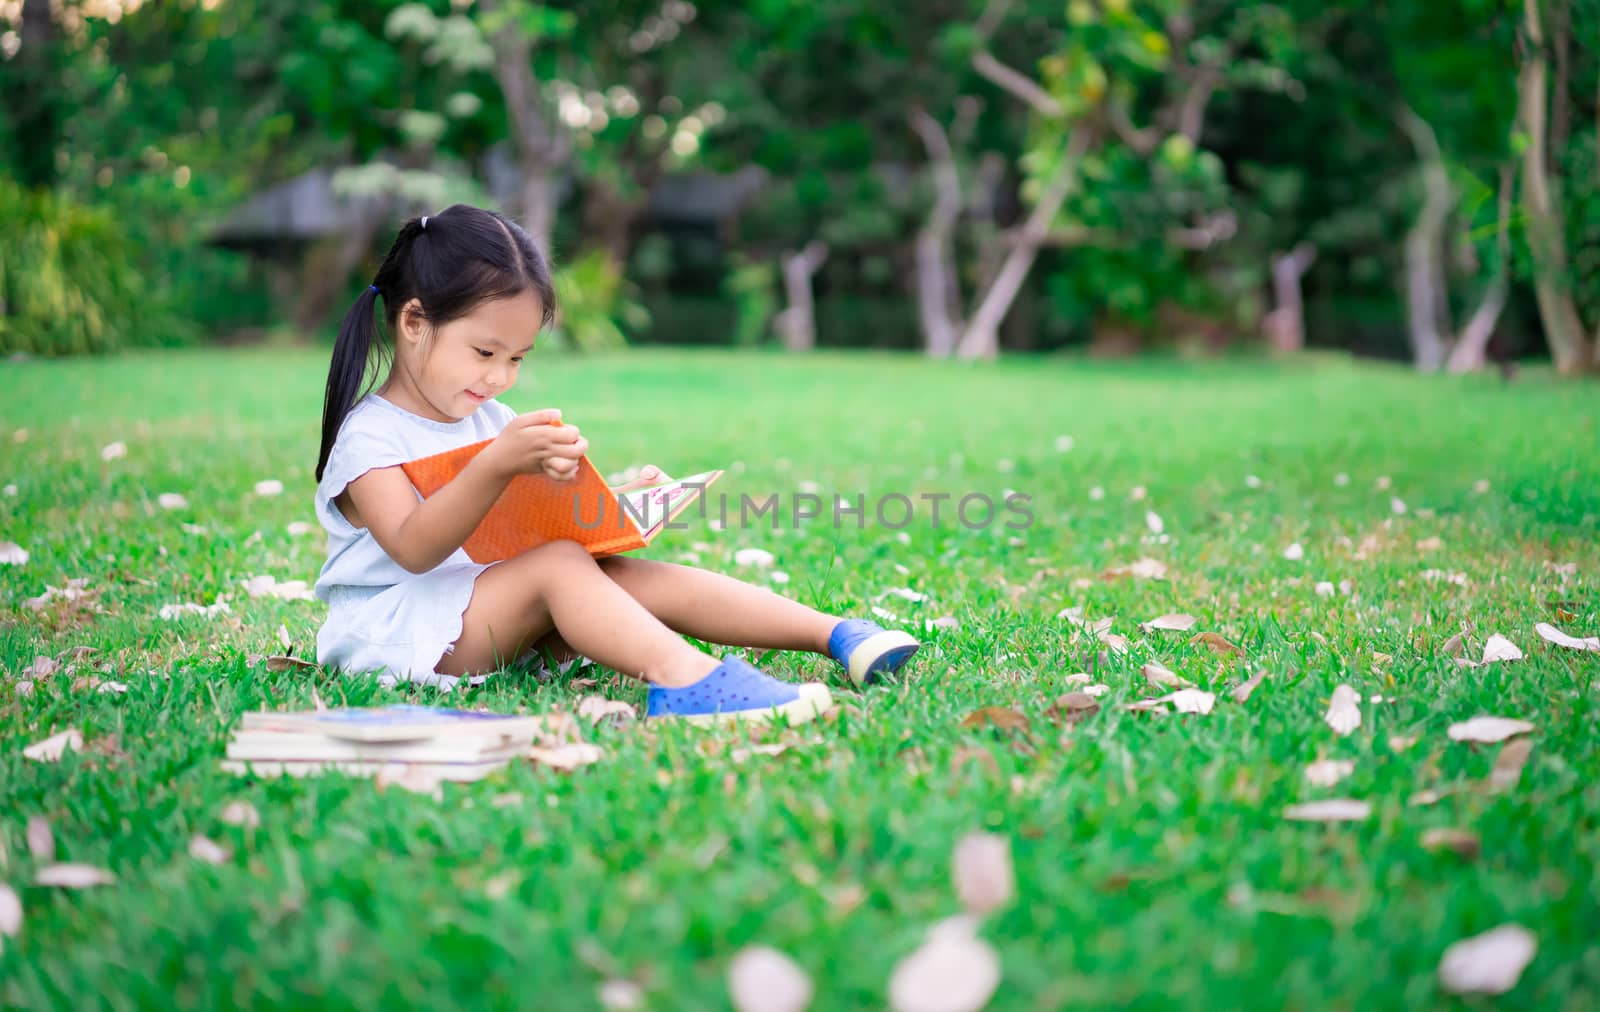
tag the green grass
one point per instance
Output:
(1154, 867)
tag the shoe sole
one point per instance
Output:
(881, 653)
(814, 701)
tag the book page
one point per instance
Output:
(650, 508)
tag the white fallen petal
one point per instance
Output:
(1191, 701)
(1397, 506)
(241, 813)
(1481, 486)
(1095, 691)
(1097, 493)
(762, 979)
(171, 612)
(1327, 772)
(984, 878)
(753, 557)
(203, 848)
(1344, 711)
(72, 876)
(621, 994)
(10, 490)
(113, 451)
(1332, 810)
(270, 486)
(1144, 569)
(1490, 963)
(905, 594)
(1324, 588)
(1489, 729)
(1152, 520)
(51, 749)
(10, 912)
(778, 576)
(884, 614)
(1430, 544)
(287, 590)
(12, 554)
(953, 971)
(1251, 481)
(596, 708)
(1295, 552)
(1064, 444)
(1137, 493)
(1341, 479)
(1383, 484)
(1175, 622)
(298, 527)
(1500, 649)
(172, 501)
(112, 688)
(41, 840)
(1551, 634)
(409, 777)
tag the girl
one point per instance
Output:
(464, 294)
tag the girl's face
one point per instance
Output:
(458, 366)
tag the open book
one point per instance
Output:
(535, 508)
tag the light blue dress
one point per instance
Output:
(381, 618)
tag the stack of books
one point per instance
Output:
(447, 744)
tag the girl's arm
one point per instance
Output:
(420, 535)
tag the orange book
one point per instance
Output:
(535, 508)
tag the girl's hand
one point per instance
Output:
(531, 444)
(648, 475)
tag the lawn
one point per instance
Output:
(1153, 861)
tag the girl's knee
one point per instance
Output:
(559, 553)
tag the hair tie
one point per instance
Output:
(424, 223)
(373, 289)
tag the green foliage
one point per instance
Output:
(752, 286)
(594, 305)
(70, 280)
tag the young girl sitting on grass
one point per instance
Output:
(464, 294)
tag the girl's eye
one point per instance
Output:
(517, 359)
(485, 354)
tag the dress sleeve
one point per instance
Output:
(358, 449)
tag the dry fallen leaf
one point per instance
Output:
(598, 708)
(1327, 772)
(1241, 693)
(1490, 963)
(1074, 707)
(744, 752)
(1332, 810)
(241, 813)
(984, 878)
(1157, 674)
(203, 848)
(1002, 717)
(72, 876)
(1080, 678)
(1178, 622)
(290, 663)
(1181, 701)
(1463, 842)
(1488, 729)
(1344, 711)
(1500, 649)
(1551, 634)
(1507, 770)
(968, 754)
(41, 841)
(567, 757)
(953, 971)
(50, 750)
(762, 979)
(1217, 643)
(1096, 691)
(12, 554)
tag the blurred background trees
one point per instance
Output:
(965, 177)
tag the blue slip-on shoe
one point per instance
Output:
(868, 650)
(734, 691)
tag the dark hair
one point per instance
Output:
(463, 257)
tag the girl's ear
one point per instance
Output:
(413, 324)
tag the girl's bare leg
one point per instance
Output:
(560, 586)
(717, 608)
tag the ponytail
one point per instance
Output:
(347, 370)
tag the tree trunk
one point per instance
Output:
(1471, 350)
(36, 108)
(1569, 346)
(1285, 325)
(797, 323)
(327, 266)
(981, 338)
(608, 221)
(541, 153)
(1427, 302)
(937, 290)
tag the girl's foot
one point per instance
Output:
(737, 691)
(867, 650)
